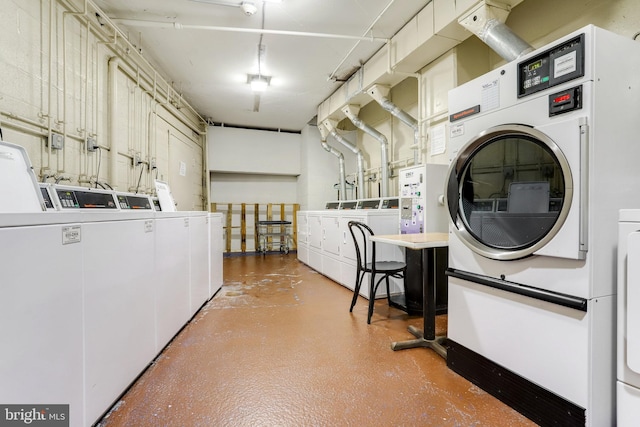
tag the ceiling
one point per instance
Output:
(306, 53)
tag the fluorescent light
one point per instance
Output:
(259, 84)
(272, 1)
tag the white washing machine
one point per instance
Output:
(216, 241)
(118, 304)
(545, 155)
(628, 385)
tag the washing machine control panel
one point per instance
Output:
(127, 201)
(85, 199)
(552, 67)
(369, 204)
(351, 204)
(391, 203)
(332, 205)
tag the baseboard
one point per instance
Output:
(534, 402)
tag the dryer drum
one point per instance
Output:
(508, 191)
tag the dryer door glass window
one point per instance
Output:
(511, 191)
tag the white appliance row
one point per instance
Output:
(88, 299)
(326, 245)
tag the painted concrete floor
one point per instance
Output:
(277, 346)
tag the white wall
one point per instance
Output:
(253, 188)
(256, 166)
(321, 169)
(253, 151)
(253, 166)
(56, 77)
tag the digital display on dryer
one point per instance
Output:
(552, 67)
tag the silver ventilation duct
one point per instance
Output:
(331, 127)
(340, 156)
(379, 94)
(351, 111)
(487, 22)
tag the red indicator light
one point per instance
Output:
(562, 98)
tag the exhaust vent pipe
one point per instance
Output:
(331, 127)
(340, 156)
(351, 111)
(487, 22)
(380, 95)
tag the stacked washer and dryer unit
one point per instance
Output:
(546, 153)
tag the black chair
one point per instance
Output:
(361, 234)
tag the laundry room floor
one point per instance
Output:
(277, 346)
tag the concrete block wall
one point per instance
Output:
(55, 58)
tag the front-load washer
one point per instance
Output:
(545, 154)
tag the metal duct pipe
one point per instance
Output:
(113, 120)
(339, 155)
(330, 125)
(487, 22)
(342, 173)
(379, 94)
(351, 111)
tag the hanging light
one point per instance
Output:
(259, 83)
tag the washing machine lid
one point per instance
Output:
(19, 190)
(165, 198)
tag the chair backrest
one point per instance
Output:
(361, 234)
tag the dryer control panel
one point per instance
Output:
(552, 67)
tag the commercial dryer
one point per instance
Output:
(628, 355)
(546, 154)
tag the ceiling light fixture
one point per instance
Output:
(258, 83)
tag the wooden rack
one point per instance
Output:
(241, 222)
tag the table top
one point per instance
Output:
(414, 241)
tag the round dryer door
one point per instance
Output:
(509, 192)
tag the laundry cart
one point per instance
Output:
(274, 234)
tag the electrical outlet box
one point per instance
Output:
(136, 160)
(56, 141)
(92, 144)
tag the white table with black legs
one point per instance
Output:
(428, 243)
